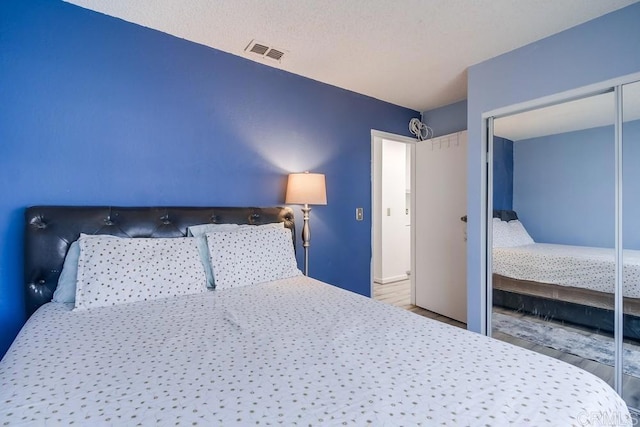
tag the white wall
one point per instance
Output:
(376, 207)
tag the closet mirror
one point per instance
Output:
(631, 241)
(553, 232)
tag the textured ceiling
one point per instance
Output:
(412, 53)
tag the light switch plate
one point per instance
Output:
(359, 214)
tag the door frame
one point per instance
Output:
(376, 162)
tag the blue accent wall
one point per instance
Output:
(502, 173)
(97, 111)
(605, 48)
(564, 187)
(448, 119)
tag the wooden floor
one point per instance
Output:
(399, 294)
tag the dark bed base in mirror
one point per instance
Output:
(577, 314)
(49, 230)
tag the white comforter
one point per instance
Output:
(291, 352)
(577, 266)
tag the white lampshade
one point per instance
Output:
(306, 188)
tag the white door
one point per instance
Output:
(440, 189)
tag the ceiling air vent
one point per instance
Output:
(258, 48)
(265, 51)
(275, 54)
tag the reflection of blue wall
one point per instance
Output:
(502, 173)
(96, 110)
(631, 185)
(564, 186)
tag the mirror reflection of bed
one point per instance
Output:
(553, 228)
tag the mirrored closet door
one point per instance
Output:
(631, 242)
(553, 232)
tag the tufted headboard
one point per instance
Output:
(49, 230)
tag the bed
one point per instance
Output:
(567, 283)
(290, 351)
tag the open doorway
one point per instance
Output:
(392, 248)
(392, 219)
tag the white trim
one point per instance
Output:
(488, 270)
(483, 233)
(392, 136)
(412, 214)
(618, 328)
(392, 279)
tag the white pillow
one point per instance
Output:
(199, 231)
(509, 234)
(499, 233)
(518, 233)
(117, 271)
(66, 290)
(251, 255)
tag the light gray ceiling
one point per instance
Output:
(412, 53)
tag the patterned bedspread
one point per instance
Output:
(290, 352)
(577, 266)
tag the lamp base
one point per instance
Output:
(306, 237)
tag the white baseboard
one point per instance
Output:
(385, 280)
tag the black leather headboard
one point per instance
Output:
(49, 230)
(505, 215)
